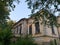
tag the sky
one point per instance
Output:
(21, 11)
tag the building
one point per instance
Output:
(58, 28)
(40, 32)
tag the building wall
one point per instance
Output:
(45, 40)
(16, 28)
(44, 30)
(45, 34)
(47, 31)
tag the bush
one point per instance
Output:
(24, 41)
(5, 36)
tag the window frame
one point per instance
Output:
(20, 30)
(37, 31)
(52, 27)
(30, 29)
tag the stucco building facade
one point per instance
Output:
(39, 32)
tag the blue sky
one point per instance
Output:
(21, 11)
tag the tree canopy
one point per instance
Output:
(5, 7)
(46, 4)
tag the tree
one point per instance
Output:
(5, 7)
(10, 23)
(6, 34)
(46, 4)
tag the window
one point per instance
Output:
(30, 29)
(37, 29)
(53, 32)
(17, 29)
(20, 29)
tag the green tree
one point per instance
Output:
(24, 41)
(46, 4)
(6, 34)
(5, 7)
(10, 23)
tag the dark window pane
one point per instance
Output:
(53, 32)
(30, 29)
(17, 29)
(37, 29)
(20, 28)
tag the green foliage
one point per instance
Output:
(10, 23)
(51, 43)
(55, 42)
(5, 36)
(5, 33)
(24, 41)
(46, 4)
(5, 7)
